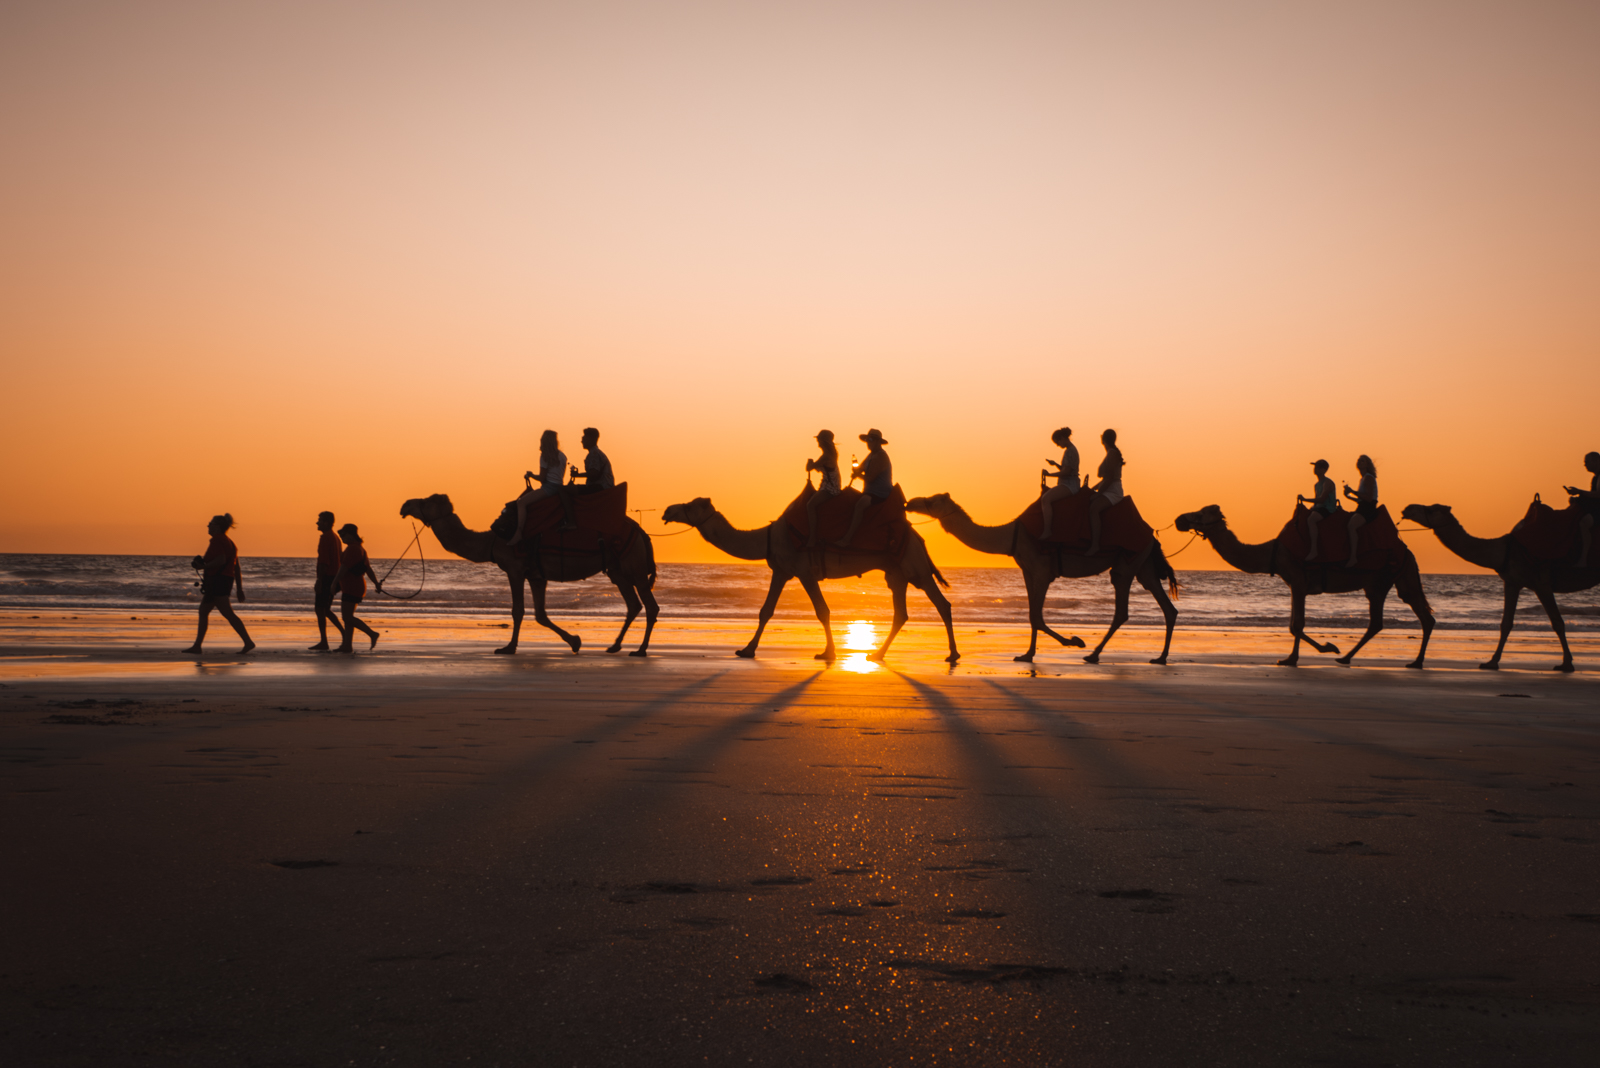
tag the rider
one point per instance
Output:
(552, 466)
(877, 477)
(1324, 501)
(828, 465)
(1366, 498)
(596, 473)
(1108, 491)
(1590, 499)
(1066, 476)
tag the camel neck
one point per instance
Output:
(1484, 552)
(998, 540)
(1251, 559)
(477, 546)
(743, 544)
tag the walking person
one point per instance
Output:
(220, 566)
(1366, 497)
(354, 570)
(1108, 491)
(1324, 501)
(828, 466)
(327, 570)
(1066, 476)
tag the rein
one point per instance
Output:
(416, 539)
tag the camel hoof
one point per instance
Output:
(1092, 658)
(506, 649)
(640, 652)
(952, 658)
(1291, 662)
(617, 648)
(1565, 669)
(876, 656)
(1076, 642)
(1414, 664)
(1493, 665)
(1025, 658)
(746, 653)
(1160, 660)
(1330, 648)
(1345, 660)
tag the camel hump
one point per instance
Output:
(1378, 543)
(1122, 527)
(1549, 533)
(882, 528)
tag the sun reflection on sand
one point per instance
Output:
(863, 636)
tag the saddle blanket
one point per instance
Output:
(1121, 525)
(1378, 538)
(883, 528)
(1549, 533)
(603, 514)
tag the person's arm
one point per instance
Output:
(1350, 493)
(366, 563)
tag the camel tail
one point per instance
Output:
(1165, 573)
(942, 581)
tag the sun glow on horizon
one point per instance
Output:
(861, 637)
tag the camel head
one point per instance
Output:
(1427, 515)
(428, 509)
(938, 506)
(1204, 521)
(694, 513)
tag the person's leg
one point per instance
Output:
(855, 520)
(812, 507)
(1045, 503)
(1356, 523)
(205, 621)
(1313, 521)
(1096, 506)
(352, 624)
(1585, 538)
(324, 602)
(226, 608)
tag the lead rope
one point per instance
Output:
(416, 539)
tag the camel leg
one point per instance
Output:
(1507, 618)
(1123, 584)
(774, 588)
(897, 591)
(1297, 627)
(1409, 586)
(631, 600)
(813, 590)
(1169, 611)
(1036, 596)
(1547, 598)
(539, 616)
(651, 610)
(941, 604)
(516, 615)
(1375, 599)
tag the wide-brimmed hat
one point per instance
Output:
(873, 437)
(350, 529)
(825, 434)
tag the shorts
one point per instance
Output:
(1366, 510)
(348, 603)
(323, 592)
(216, 587)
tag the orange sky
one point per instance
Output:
(279, 257)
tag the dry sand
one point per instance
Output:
(432, 855)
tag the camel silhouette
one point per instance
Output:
(1518, 570)
(633, 570)
(772, 543)
(1042, 564)
(1400, 574)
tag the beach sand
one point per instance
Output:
(432, 855)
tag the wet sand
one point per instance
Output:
(432, 855)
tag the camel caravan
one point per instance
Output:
(563, 530)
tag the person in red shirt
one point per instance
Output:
(220, 565)
(354, 570)
(327, 567)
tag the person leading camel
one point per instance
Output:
(221, 567)
(354, 570)
(596, 473)
(877, 478)
(1366, 497)
(552, 468)
(1590, 499)
(1066, 476)
(1108, 491)
(1324, 501)
(828, 487)
(322, 592)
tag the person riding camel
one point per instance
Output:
(1066, 476)
(877, 478)
(1108, 491)
(1590, 499)
(1366, 497)
(552, 468)
(596, 473)
(828, 487)
(1324, 501)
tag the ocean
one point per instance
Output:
(1209, 599)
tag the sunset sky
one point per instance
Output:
(276, 257)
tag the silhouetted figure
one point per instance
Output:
(552, 469)
(221, 574)
(1324, 501)
(1066, 476)
(1366, 497)
(1108, 491)
(828, 486)
(1590, 499)
(877, 482)
(327, 570)
(354, 570)
(596, 473)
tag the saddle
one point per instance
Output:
(1548, 533)
(602, 524)
(883, 528)
(1121, 525)
(1378, 539)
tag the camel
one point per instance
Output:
(1304, 579)
(633, 573)
(1041, 565)
(772, 544)
(1518, 569)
